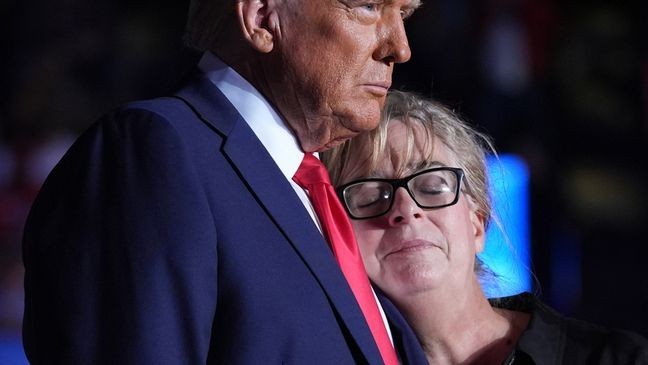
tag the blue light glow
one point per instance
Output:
(507, 249)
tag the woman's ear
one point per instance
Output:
(479, 228)
(254, 19)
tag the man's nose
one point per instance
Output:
(404, 209)
(393, 46)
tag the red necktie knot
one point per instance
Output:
(311, 171)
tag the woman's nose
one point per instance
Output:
(404, 209)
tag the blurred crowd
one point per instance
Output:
(564, 85)
(23, 167)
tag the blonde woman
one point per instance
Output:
(416, 190)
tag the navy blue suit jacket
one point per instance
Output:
(167, 235)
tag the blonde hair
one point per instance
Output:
(360, 156)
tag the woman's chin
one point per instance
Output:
(412, 280)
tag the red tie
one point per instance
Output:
(312, 176)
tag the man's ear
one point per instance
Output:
(253, 17)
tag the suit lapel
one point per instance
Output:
(277, 197)
(407, 345)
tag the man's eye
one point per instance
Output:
(369, 7)
(367, 11)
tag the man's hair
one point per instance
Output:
(205, 22)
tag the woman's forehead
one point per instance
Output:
(411, 149)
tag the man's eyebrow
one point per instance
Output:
(409, 8)
(414, 4)
(410, 5)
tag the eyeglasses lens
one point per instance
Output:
(367, 199)
(434, 189)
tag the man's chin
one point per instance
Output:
(363, 117)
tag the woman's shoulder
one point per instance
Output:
(556, 339)
(587, 342)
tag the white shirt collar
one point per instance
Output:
(265, 122)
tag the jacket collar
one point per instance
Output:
(544, 339)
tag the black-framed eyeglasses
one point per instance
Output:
(436, 187)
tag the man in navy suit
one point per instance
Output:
(172, 232)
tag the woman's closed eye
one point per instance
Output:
(434, 189)
(367, 199)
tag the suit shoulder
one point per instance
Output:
(160, 106)
(166, 116)
(165, 109)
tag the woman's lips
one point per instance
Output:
(411, 246)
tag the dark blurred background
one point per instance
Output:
(562, 84)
